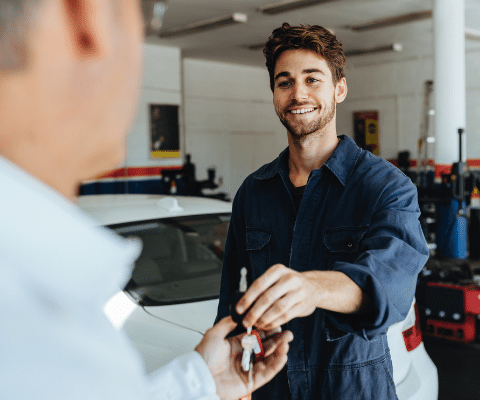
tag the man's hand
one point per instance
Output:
(282, 294)
(223, 358)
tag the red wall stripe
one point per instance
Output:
(137, 171)
(441, 168)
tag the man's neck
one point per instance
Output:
(308, 154)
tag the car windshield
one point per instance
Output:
(181, 260)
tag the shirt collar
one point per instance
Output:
(54, 245)
(343, 159)
(341, 163)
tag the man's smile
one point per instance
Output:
(302, 110)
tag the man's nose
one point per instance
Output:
(299, 92)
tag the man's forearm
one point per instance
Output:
(337, 292)
(282, 294)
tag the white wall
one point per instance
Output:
(227, 119)
(161, 85)
(396, 91)
(473, 105)
(230, 122)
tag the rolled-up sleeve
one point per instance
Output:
(392, 253)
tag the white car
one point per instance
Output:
(172, 297)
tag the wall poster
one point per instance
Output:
(365, 130)
(164, 131)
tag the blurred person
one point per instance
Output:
(328, 232)
(70, 75)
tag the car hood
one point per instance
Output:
(196, 316)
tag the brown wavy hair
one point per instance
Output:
(307, 37)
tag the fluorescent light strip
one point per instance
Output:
(472, 34)
(382, 49)
(285, 6)
(257, 46)
(382, 23)
(202, 26)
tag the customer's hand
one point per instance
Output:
(223, 358)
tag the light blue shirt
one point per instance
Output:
(58, 269)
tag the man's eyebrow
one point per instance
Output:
(305, 71)
(280, 74)
(311, 70)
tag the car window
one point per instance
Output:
(181, 260)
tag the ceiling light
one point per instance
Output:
(471, 33)
(381, 49)
(285, 6)
(205, 25)
(400, 19)
(257, 46)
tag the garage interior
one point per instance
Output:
(414, 99)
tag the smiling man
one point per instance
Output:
(329, 234)
(70, 78)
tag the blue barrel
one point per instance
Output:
(451, 235)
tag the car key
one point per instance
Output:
(242, 288)
(249, 342)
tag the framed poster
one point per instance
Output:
(365, 130)
(164, 131)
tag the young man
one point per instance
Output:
(328, 232)
(69, 82)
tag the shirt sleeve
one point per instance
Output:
(185, 378)
(392, 253)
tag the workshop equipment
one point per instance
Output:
(452, 215)
(453, 311)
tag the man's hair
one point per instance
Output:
(306, 37)
(16, 17)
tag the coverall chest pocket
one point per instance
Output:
(343, 243)
(258, 250)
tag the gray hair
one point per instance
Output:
(16, 17)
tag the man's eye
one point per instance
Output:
(283, 84)
(312, 80)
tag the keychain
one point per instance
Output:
(251, 342)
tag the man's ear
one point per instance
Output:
(90, 25)
(341, 90)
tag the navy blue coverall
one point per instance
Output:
(358, 215)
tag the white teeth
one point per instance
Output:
(302, 111)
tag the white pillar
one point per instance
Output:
(449, 84)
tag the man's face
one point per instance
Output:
(116, 89)
(304, 95)
(80, 85)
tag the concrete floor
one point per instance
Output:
(458, 366)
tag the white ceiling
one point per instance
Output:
(227, 44)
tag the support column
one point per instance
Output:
(449, 83)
